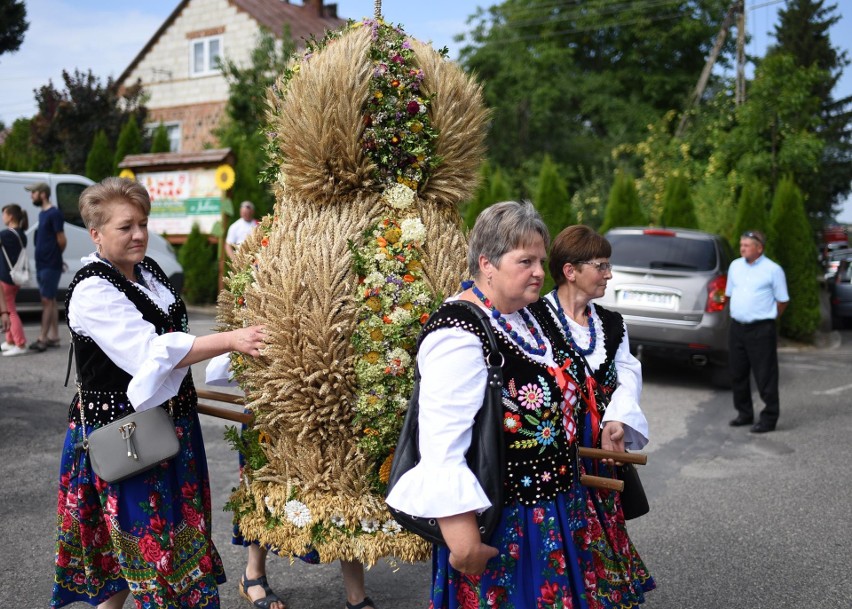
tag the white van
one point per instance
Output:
(65, 192)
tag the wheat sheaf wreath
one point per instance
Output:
(375, 139)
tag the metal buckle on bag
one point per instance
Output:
(126, 432)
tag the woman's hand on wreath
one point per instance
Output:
(249, 340)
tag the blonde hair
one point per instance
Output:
(95, 199)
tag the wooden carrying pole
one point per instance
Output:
(218, 411)
(612, 484)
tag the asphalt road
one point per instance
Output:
(737, 520)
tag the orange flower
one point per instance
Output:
(265, 241)
(381, 241)
(387, 319)
(424, 318)
(408, 278)
(384, 470)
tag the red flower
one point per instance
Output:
(514, 550)
(194, 597)
(413, 107)
(193, 517)
(538, 515)
(189, 490)
(494, 595)
(158, 524)
(63, 558)
(548, 594)
(512, 422)
(205, 564)
(154, 499)
(557, 561)
(467, 597)
(150, 549)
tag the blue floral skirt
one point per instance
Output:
(549, 557)
(150, 533)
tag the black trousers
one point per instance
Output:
(754, 349)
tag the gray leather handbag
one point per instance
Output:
(132, 445)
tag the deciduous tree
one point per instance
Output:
(13, 25)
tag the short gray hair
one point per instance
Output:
(94, 201)
(501, 228)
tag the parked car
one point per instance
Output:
(65, 192)
(832, 261)
(840, 294)
(669, 284)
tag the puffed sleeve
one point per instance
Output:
(624, 404)
(101, 312)
(218, 372)
(452, 388)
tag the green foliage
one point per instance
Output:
(18, 152)
(99, 163)
(751, 211)
(551, 198)
(247, 443)
(13, 25)
(493, 188)
(160, 142)
(129, 142)
(803, 33)
(243, 129)
(575, 79)
(200, 271)
(67, 120)
(623, 207)
(791, 245)
(678, 210)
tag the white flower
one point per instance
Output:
(391, 527)
(399, 196)
(400, 355)
(297, 513)
(413, 231)
(337, 520)
(374, 280)
(400, 315)
(269, 505)
(370, 525)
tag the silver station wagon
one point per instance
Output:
(669, 284)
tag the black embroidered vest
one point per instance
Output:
(540, 463)
(606, 375)
(103, 384)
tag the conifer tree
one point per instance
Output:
(751, 211)
(791, 246)
(129, 142)
(197, 256)
(622, 208)
(678, 209)
(99, 160)
(551, 198)
(481, 197)
(161, 141)
(497, 190)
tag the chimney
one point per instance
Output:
(314, 6)
(330, 11)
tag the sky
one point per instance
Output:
(105, 36)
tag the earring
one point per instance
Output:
(489, 281)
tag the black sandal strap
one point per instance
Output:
(365, 603)
(266, 601)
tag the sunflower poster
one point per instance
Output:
(182, 198)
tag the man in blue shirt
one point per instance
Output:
(50, 242)
(757, 290)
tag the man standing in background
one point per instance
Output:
(241, 228)
(757, 290)
(50, 242)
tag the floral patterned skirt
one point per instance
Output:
(150, 533)
(549, 557)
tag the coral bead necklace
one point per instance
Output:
(541, 349)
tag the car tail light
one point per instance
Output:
(716, 294)
(659, 232)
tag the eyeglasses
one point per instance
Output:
(602, 267)
(753, 235)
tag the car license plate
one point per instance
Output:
(654, 300)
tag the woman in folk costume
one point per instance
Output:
(376, 140)
(148, 535)
(604, 381)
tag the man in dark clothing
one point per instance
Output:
(50, 242)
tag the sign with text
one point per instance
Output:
(180, 199)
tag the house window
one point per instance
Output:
(204, 54)
(173, 129)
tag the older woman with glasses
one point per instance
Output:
(603, 381)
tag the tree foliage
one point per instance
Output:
(68, 119)
(129, 142)
(791, 245)
(99, 162)
(623, 207)
(160, 141)
(245, 115)
(197, 256)
(803, 34)
(573, 79)
(551, 198)
(18, 153)
(751, 211)
(13, 25)
(678, 210)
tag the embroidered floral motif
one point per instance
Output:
(531, 396)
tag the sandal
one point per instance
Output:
(365, 603)
(262, 603)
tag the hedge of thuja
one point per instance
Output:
(622, 208)
(751, 211)
(200, 269)
(678, 209)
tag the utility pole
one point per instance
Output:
(736, 6)
(739, 97)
